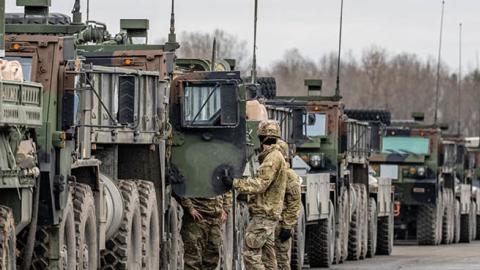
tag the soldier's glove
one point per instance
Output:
(285, 234)
(227, 181)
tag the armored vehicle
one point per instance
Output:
(473, 176)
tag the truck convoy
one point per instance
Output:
(100, 134)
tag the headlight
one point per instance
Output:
(315, 161)
(421, 171)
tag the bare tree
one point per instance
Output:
(374, 62)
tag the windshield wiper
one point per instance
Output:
(408, 152)
(391, 151)
(204, 103)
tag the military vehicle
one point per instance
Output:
(332, 155)
(473, 176)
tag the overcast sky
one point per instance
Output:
(309, 25)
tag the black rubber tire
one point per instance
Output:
(150, 225)
(364, 224)
(53, 19)
(473, 216)
(372, 228)
(465, 228)
(124, 249)
(447, 220)
(381, 116)
(355, 232)
(298, 242)
(175, 251)
(268, 87)
(7, 239)
(321, 244)
(67, 244)
(85, 227)
(457, 223)
(429, 223)
(341, 235)
(385, 232)
(478, 226)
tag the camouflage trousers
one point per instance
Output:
(282, 251)
(202, 243)
(259, 246)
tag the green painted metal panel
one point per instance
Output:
(34, 3)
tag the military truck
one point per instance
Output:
(473, 176)
(332, 153)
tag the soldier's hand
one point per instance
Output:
(223, 216)
(285, 234)
(196, 215)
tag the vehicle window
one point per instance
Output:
(26, 63)
(315, 124)
(202, 104)
(405, 145)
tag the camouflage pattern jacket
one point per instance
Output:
(293, 200)
(209, 208)
(267, 187)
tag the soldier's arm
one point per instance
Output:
(187, 204)
(227, 201)
(293, 202)
(265, 175)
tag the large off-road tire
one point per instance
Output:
(448, 217)
(343, 220)
(298, 244)
(473, 216)
(355, 232)
(124, 249)
(85, 227)
(53, 19)
(67, 244)
(364, 223)
(175, 251)
(7, 239)
(429, 223)
(268, 87)
(321, 244)
(372, 228)
(150, 225)
(466, 228)
(381, 116)
(385, 232)
(457, 223)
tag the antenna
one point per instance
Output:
(337, 87)
(2, 28)
(214, 54)
(88, 10)
(172, 44)
(439, 64)
(76, 13)
(254, 63)
(459, 113)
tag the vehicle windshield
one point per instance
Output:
(202, 104)
(405, 145)
(315, 124)
(26, 63)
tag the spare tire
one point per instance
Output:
(268, 87)
(382, 116)
(53, 19)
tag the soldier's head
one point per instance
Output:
(284, 148)
(268, 132)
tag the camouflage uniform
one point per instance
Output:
(265, 206)
(291, 212)
(202, 239)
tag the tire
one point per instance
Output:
(457, 223)
(429, 223)
(150, 225)
(448, 217)
(175, 251)
(321, 244)
(341, 236)
(466, 228)
(268, 87)
(473, 216)
(385, 231)
(298, 243)
(355, 232)
(364, 223)
(53, 19)
(7, 239)
(124, 249)
(372, 228)
(67, 244)
(382, 116)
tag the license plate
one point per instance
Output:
(418, 190)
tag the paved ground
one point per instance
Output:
(412, 257)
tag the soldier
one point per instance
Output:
(267, 191)
(290, 214)
(202, 230)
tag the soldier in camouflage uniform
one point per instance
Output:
(202, 230)
(267, 191)
(290, 214)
